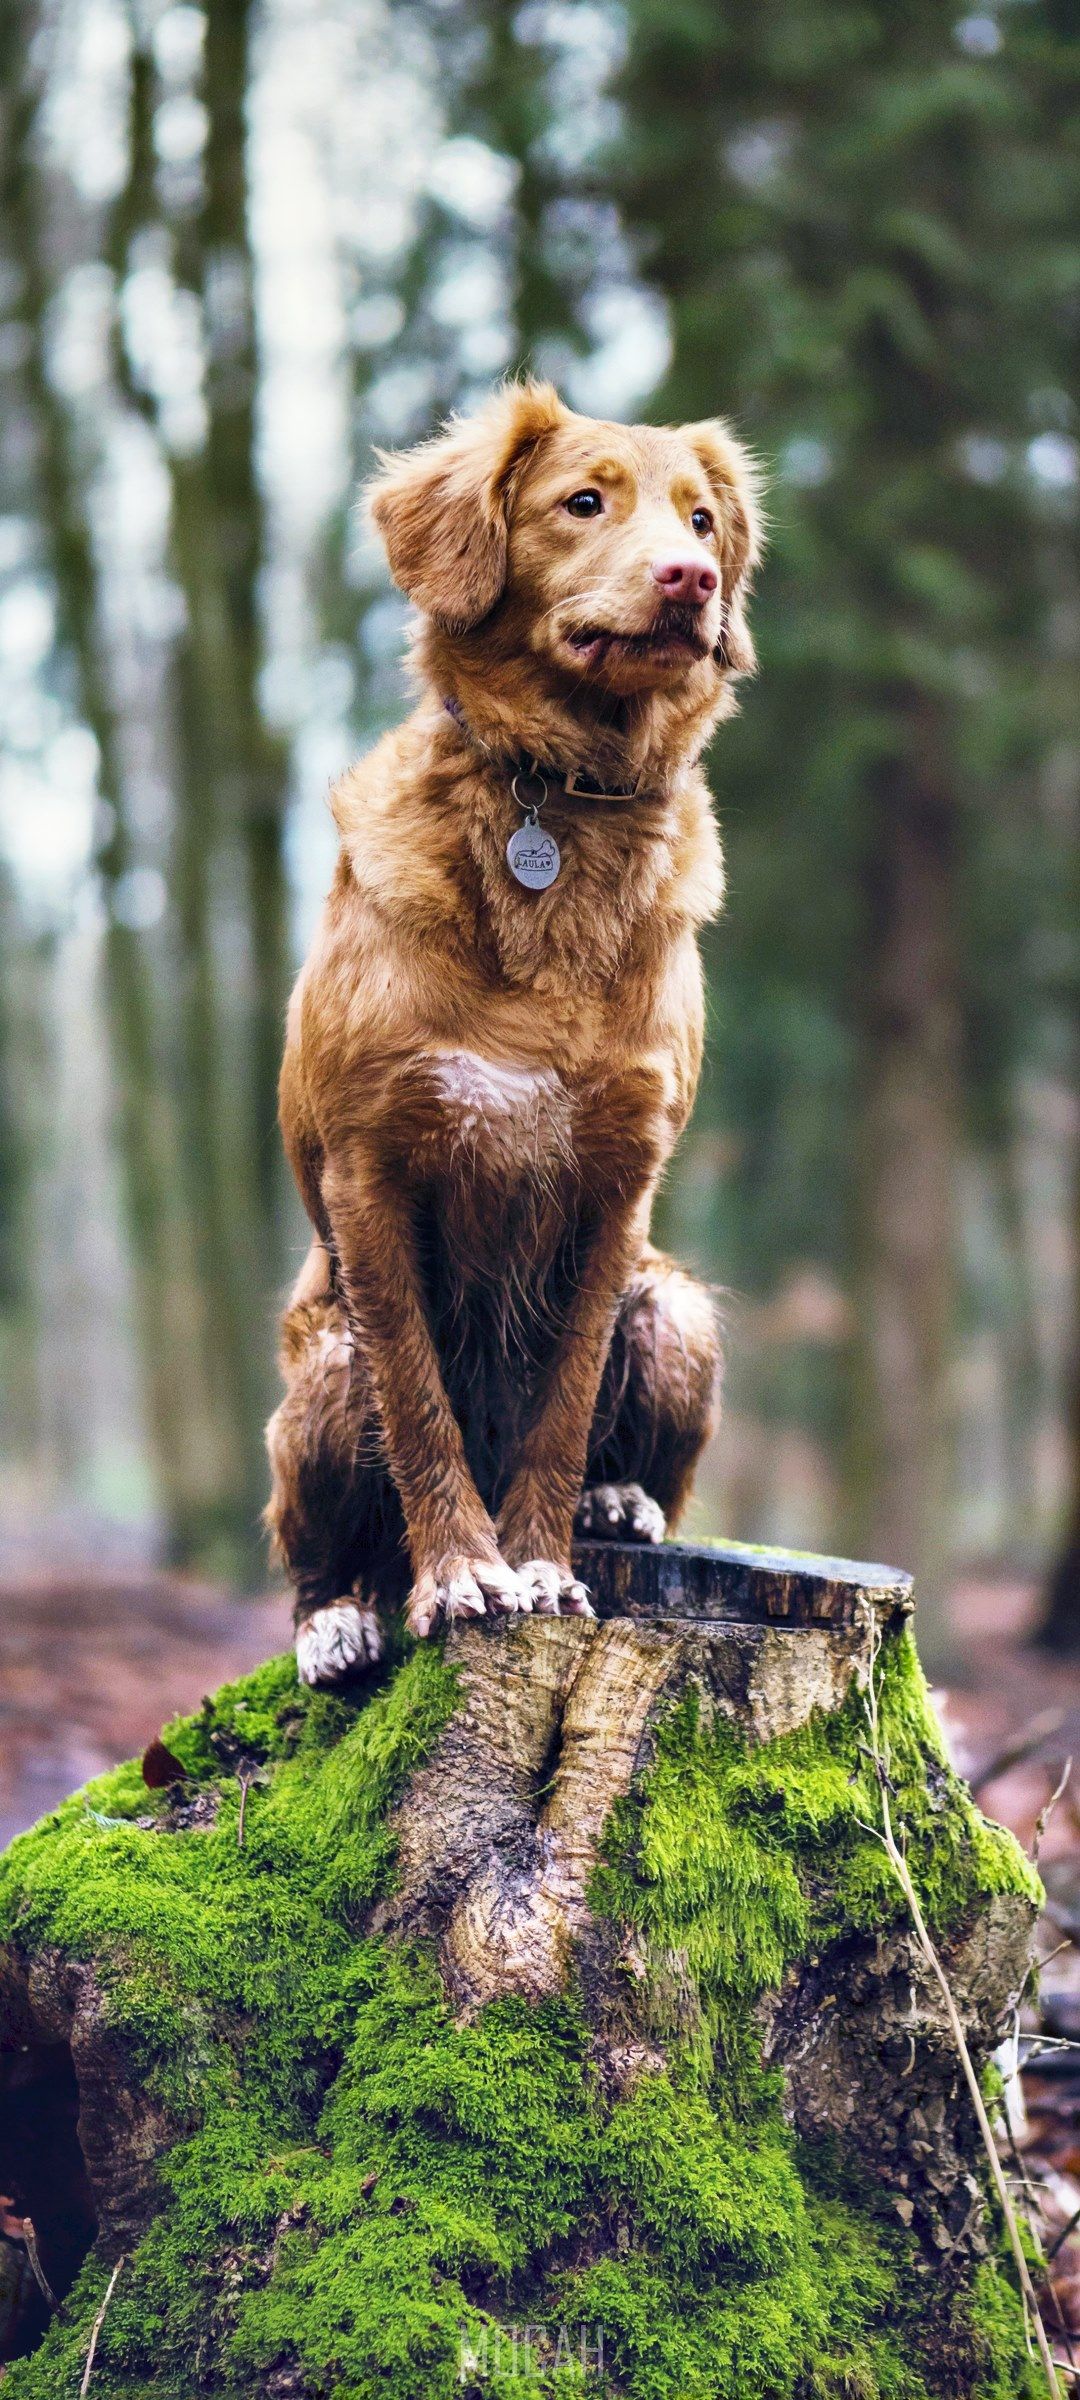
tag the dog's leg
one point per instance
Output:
(658, 1406)
(622, 1133)
(537, 1515)
(333, 1514)
(457, 1567)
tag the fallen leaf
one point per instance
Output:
(160, 1766)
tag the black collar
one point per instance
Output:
(522, 766)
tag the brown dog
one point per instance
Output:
(484, 1077)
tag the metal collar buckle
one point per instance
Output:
(579, 785)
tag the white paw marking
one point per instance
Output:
(464, 1587)
(554, 1591)
(337, 1641)
(619, 1512)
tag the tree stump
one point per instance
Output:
(544, 2019)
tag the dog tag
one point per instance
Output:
(533, 857)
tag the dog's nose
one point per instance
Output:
(683, 578)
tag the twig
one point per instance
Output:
(1061, 2238)
(886, 1836)
(99, 2321)
(245, 1783)
(1038, 1965)
(1046, 1812)
(36, 2268)
(1063, 2331)
(1023, 2179)
(1035, 1966)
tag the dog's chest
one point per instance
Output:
(495, 1158)
(492, 1127)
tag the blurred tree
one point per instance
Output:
(1053, 39)
(487, 283)
(12, 1156)
(1060, 1627)
(839, 205)
(231, 773)
(58, 477)
(253, 769)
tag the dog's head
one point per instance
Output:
(615, 555)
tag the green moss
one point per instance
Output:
(377, 2198)
(729, 1862)
(1009, 2370)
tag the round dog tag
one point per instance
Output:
(533, 857)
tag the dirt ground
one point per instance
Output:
(90, 1669)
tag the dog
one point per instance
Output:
(495, 1041)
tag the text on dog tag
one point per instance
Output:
(533, 857)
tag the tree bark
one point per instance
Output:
(228, 875)
(900, 1485)
(256, 763)
(1060, 1628)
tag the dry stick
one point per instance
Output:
(1061, 2238)
(1047, 1810)
(36, 2268)
(1025, 2184)
(244, 1782)
(1041, 1963)
(902, 1872)
(99, 2321)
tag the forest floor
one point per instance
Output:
(92, 1665)
(93, 1662)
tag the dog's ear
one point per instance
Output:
(443, 508)
(736, 484)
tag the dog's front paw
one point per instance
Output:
(336, 1642)
(458, 1586)
(554, 1590)
(618, 1512)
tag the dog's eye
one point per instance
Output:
(701, 522)
(583, 504)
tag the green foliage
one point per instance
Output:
(362, 2184)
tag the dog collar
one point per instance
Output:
(523, 766)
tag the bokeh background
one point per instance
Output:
(242, 242)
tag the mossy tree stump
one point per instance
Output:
(543, 2020)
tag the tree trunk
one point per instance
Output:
(1060, 1628)
(256, 761)
(233, 786)
(144, 1135)
(547, 2021)
(228, 875)
(905, 1300)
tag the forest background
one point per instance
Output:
(242, 243)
